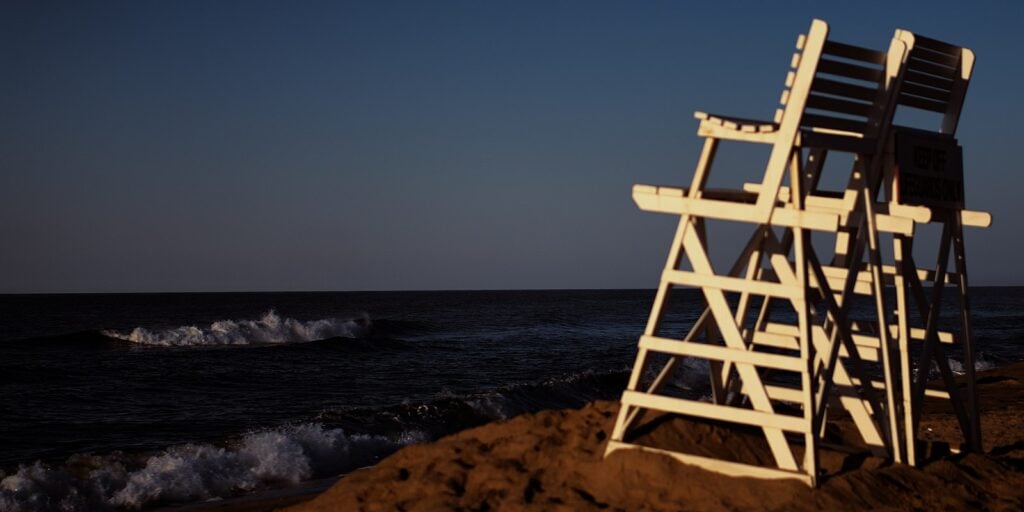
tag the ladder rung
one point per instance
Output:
(771, 339)
(917, 334)
(715, 412)
(725, 467)
(734, 284)
(718, 353)
(783, 393)
(661, 200)
(786, 336)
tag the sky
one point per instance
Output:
(261, 146)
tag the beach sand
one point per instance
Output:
(552, 460)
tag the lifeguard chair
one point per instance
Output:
(839, 98)
(924, 168)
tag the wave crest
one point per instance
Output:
(201, 471)
(980, 364)
(270, 328)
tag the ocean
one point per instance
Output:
(129, 401)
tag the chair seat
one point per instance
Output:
(737, 124)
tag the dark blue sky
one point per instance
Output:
(207, 146)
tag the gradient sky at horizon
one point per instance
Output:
(236, 146)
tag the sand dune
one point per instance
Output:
(552, 460)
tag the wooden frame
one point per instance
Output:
(934, 77)
(823, 343)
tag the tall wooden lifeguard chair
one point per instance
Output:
(924, 168)
(782, 374)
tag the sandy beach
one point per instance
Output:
(552, 460)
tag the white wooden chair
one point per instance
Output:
(838, 98)
(934, 77)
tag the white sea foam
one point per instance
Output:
(271, 328)
(201, 471)
(690, 374)
(979, 365)
(957, 367)
(38, 488)
(490, 405)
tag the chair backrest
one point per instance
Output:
(934, 77)
(846, 96)
(834, 91)
(837, 97)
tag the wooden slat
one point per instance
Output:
(834, 123)
(868, 354)
(838, 105)
(925, 92)
(936, 45)
(900, 218)
(718, 353)
(846, 202)
(929, 80)
(731, 284)
(923, 53)
(848, 70)
(831, 203)
(860, 288)
(919, 214)
(835, 142)
(781, 328)
(867, 346)
(836, 88)
(717, 131)
(724, 467)
(726, 194)
(876, 384)
(715, 412)
(923, 103)
(917, 334)
(664, 203)
(864, 276)
(892, 224)
(772, 339)
(693, 244)
(783, 393)
(975, 218)
(736, 123)
(849, 51)
(866, 340)
(923, 66)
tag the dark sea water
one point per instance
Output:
(141, 400)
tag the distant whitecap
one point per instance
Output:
(271, 328)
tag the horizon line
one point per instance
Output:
(422, 290)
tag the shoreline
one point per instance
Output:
(554, 460)
(270, 499)
(1001, 398)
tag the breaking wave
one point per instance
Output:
(189, 472)
(272, 458)
(271, 328)
(980, 365)
(449, 412)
